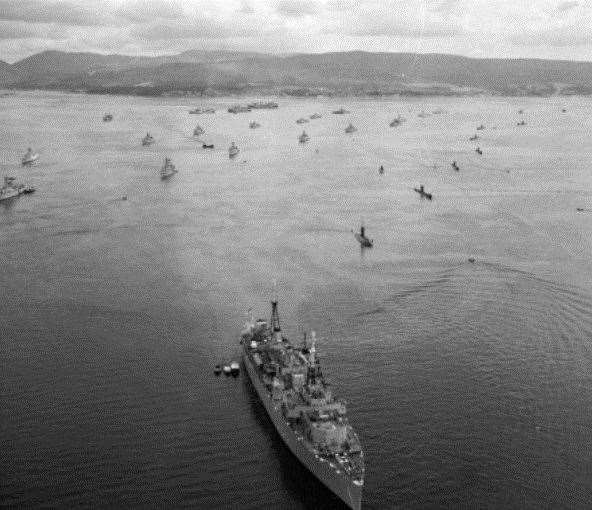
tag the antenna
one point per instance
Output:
(313, 348)
(275, 318)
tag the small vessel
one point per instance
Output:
(233, 150)
(362, 239)
(422, 192)
(481, 127)
(580, 209)
(168, 169)
(254, 125)
(302, 121)
(217, 370)
(315, 116)
(479, 151)
(521, 123)
(455, 166)
(341, 111)
(239, 109)
(472, 260)
(311, 421)
(263, 105)
(234, 368)
(29, 158)
(227, 370)
(350, 129)
(148, 139)
(303, 138)
(397, 121)
(198, 130)
(198, 111)
(207, 145)
(11, 189)
(107, 117)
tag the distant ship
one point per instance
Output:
(398, 120)
(315, 116)
(198, 130)
(303, 138)
(148, 139)
(341, 111)
(254, 125)
(198, 111)
(362, 239)
(233, 150)
(168, 169)
(107, 117)
(302, 121)
(239, 109)
(350, 129)
(11, 189)
(269, 105)
(312, 423)
(29, 158)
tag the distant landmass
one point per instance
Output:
(213, 73)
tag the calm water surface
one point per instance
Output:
(469, 383)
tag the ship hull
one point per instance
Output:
(338, 483)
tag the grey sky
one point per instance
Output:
(479, 28)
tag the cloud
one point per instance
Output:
(197, 29)
(567, 5)
(296, 8)
(394, 28)
(141, 11)
(62, 12)
(559, 37)
(246, 8)
(21, 30)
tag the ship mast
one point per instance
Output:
(276, 329)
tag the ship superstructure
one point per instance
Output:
(301, 404)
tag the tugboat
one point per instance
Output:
(397, 121)
(148, 140)
(11, 189)
(168, 169)
(303, 138)
(362, 239)
(422, 192)
(254, 125)
(198, 130)
(29, 158)
(302, 121)
(107, 117)
(350, 129)
(341, 111)
(233, 150)
(303, 408)
(315, 116)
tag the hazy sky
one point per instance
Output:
(480, 28)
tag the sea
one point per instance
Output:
(469, 382)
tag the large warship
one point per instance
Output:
(311, 421)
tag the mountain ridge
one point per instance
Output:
(354, 72)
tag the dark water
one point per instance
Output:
(469, 383)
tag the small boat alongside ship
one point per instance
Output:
(29, 158)
(168, 169)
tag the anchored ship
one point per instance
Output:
(311, 421)
(168, 169)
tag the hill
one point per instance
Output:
(353, 72)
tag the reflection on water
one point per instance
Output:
(467, 382)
